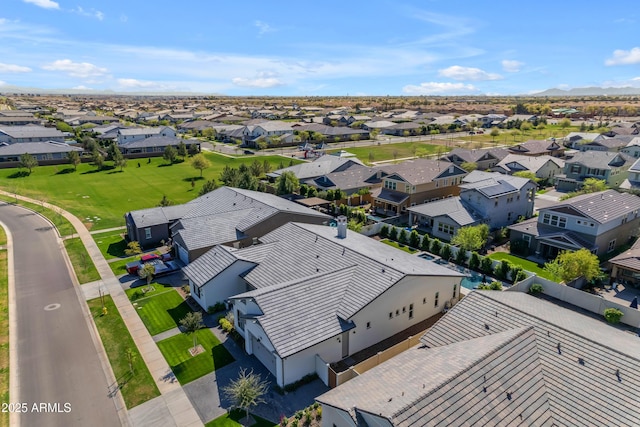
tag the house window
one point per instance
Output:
(436, 300)
(555, 220)
(509, 216)
(527, 238)
(424, 300)
(368, 325)
(455, 288)
(410, 311)
(196, 290)
(446, 228)
(404, 309)
(147, 233)
(612, 245)
(397, 312)
(575, 169)
(390, 315)
(241, 323)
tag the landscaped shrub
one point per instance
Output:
(384, 231)
(402, 237)
(461, 256)
(486, 265)
(613, 315)
(414, 239)
(535, 289)
(502, 269)
(495, 286)
(474, 261)
(435, 247)
(225, 324)
(517, 274)
(217, 307)
(445, 252)
(393, 233)
(426, 243)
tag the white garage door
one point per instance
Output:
(267, 358)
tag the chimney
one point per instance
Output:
(342, 226)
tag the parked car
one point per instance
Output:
(248, 152)
(134, 266)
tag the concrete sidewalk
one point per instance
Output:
(182, 414)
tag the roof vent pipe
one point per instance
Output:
(342, 226)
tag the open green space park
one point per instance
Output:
(386, 151)
(233, 418)
(188, 368)
(111, 243)
(525, 264)
(82, 263)
(62, 224)
(507, 136)
(100, 198)
(160, 310)
(138, 387)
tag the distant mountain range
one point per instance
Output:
(590, 91)
(9, 89)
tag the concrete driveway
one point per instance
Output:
(59, 374)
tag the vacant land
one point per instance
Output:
(136, 387)
(387, 151)
(100, 198)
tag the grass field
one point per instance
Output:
(100, 198)
(111, 244)
(82, 263)
(4, 331)
(506, 136)
(161, 311)
(62, 224)
(188, 368)
(399, 246)
(139, 387)
(388, 151)
(525, 264)
(231, 419)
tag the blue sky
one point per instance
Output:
(322, 48)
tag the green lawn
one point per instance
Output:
(386, 151)
(82, 263)
(188, 368)
(139, 387)
(62, 224)
(525, 264)
(100, 198)
(161, 311)
(399, 246)
(506, 137)
(4, 334)
(3, 237)
(231, 419)
(111, 244)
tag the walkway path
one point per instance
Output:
(179, 408)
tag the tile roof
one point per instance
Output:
(629, 259)
(159, 215)
(598, 159)
(142, 131)
(153, 141)
(354, 177)
(504, 358)
(535, 146)
(36, 148)
(493, 184)
(31, 131)
(473, 156)
(452, 207)
(209, 265)
(602, 206)
(321, 166)
(518, 162)
(420, 171)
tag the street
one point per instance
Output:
(61, 381)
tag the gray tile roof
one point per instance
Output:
(36, 148)
(473, 156)
(153, 141)
(31, 131)
(420, 171)
(142, 131)
(209, 265)
(602, 206)
(504, 358)
(204, 232)
(452, 207)
(518, 162)
(535, 146)
(599, 159)
(159, 215)
(301, 313)
(481, 178)
(319, 167)
(357, 176)
(629, 259)
(392, 196)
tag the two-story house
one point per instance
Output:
(485, 158)
(266, 131)
(605, 165)
(417, 181)
(129, 135)
(600, 222)
(544, 167)
(607, 143)
(310, 295)
(633, 147)
(633, 180)
(492, 198)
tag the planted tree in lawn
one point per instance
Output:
(494, 133)
(170, 154)
(118, 159)
(27, 161)
(147, 271)
(191, 323)
(97, 159)
(246, 391)
(165, 201)
(74, 159)
(208, 187)
(133, 248)
(182, 150)
(131, 358)
(200, 162)
(414, 239)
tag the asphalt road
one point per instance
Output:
(57, 360)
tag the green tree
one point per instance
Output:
(384, 231)
(256, 168)
(97, 159)
(570, 265)
(425, 245)
(191, 323)
(208, 187)
(469, 166)
(287, 183)
(393, 233)
(246, 391)
(435, 246)
(445, 252)
(170, 154)
(182, 150)
(266, 166)
(471, 238)
(133, 248)
(593, 185)
(88, 144)
(474, 261)
(147, 272)
(354, 225)
(27, 161)
(527, 174)
(118, 159)
(414, 239)
(200, 162)
(165, 201)
(564, 123)
(402, 237)
(312, 192)
(525, 127)
(193, 149)
(486, 265)
(74, 159)
(131, 356)
(461, 256)
(494, 133)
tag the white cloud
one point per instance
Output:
(437, 88)
(457, 72)
(93, 13)
(82, 87)
(2, 83)
(624, 57)
(12, 68)
(135, 83)
(263, 27)
(76, 69)
(46, 4)
(635, 79)
(260, 82)
(511, 66)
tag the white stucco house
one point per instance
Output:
(313, 295)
